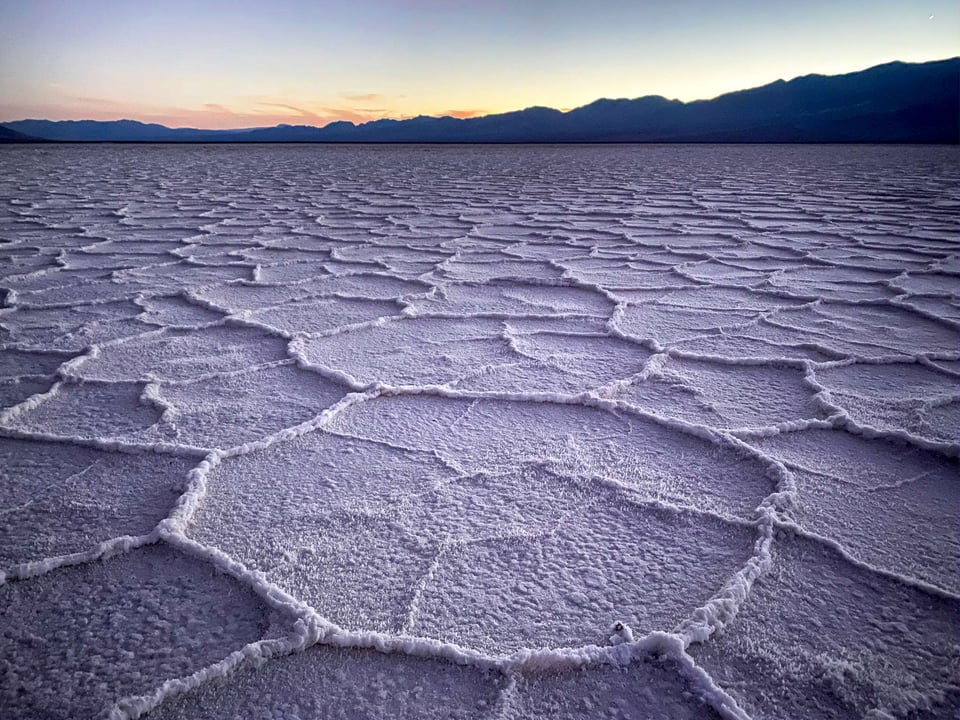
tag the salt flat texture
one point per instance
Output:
(490, 432)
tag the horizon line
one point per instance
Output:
(565, 111)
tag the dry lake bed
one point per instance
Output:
(479, 432)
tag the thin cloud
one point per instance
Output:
(98, 101)
(300, 111)
(463, 114)
(351, 114)
(364, 97)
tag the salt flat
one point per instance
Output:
(486, 432)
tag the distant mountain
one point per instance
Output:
(110, 131)
(896, 102)
(12, 136)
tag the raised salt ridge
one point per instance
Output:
(479, 432)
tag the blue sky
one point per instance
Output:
(238, 64)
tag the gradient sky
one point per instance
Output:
(223, 64)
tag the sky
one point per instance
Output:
(238, 63)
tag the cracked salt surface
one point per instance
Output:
(564, 432)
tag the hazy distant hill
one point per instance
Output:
(896, 102)
(111, 131)
(12, 136)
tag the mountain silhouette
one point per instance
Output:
(895, 102)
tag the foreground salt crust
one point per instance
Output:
(481, 433)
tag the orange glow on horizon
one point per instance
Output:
(464, 114)
(212, 116)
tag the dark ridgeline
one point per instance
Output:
(896, 102)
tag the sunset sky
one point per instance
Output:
(220, 64)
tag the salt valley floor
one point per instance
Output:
(412, 432)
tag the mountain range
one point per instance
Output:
(894, 102)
